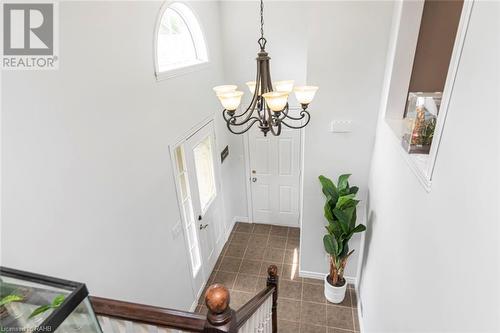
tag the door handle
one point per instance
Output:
(203, 226)
(254, 179)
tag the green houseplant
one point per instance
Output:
(340, 212)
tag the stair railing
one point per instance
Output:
(257, 315)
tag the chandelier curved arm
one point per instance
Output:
(274, 123)
(231, 119)
(303, 114)
(248, 112)
(284, 113)
(251, 122)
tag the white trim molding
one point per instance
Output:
(243, 219)
(195, 27)
(404, 38)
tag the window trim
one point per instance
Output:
(400, 63)
(211, 138)
(194, 67)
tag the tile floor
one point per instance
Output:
(302, 307)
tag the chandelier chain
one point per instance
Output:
(269, 120)
(261, 18)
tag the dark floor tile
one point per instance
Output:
(274, 255)
(314, 281)
(245, 282)
(250, 266)
(340, 317)
(293, 232)
(254, 252)
(218, 262)
(285, 326)
(243, 227)
(313, 313)
(288, 309)
(261, 229)
(261, 283)
(309, 328)
(257, 240)
(225, 278)
(246, 277)
(313, 293)
(338, 330)
(265, 266)
(240, 238)
(279, 231)
(277, 242)
(354, 299)
(235, 250)
(355, 319)
(239, 298)
(291, 272)
(211, 277)
(291, 257)
(230, 264)
(292, 244)
(290, 289)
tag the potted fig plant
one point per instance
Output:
(340, 211)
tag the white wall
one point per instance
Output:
(339, 46)
(88, 191)
(347, 47)
(432, 259)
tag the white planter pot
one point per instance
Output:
(334, 294)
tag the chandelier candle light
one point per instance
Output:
(268, 108)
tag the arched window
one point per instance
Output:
(179, 43)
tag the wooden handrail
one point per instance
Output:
(151, 315)
(220, 317)
(246, 311)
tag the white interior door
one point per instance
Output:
(200, 159)
(275, 176)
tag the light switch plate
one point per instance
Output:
(341, 126)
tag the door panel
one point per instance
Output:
(203, 185)
(275, 177)
(262, 160)
(285, 157)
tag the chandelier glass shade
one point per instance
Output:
(269, 107)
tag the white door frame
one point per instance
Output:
(248, 185)
(218, 165)
(218, 175)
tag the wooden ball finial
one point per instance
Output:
(272, 270)
(217, 298)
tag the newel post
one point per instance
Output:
(220, 316)
(272, 280)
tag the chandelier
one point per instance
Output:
(269, 107)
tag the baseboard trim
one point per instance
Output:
(243, 219)
(247, 220)
(321, 276)
(194, 305)
(360, 318)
